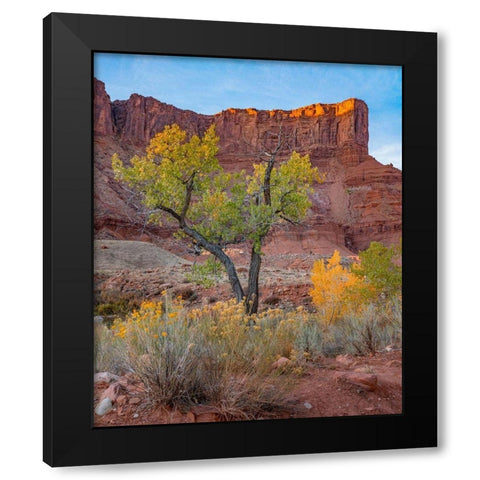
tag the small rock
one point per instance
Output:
(98, 319)
(364, 380)
(307, 405)
(282, 362)
(104, 407)
(106, 377)
(136, 415)
(112, 392)
(343, 361)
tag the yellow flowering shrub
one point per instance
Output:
(175, 351)
(218, 354)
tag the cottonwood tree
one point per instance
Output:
(181, 179)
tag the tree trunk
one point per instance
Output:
(233, 278)
(223, 257)
(251, 300)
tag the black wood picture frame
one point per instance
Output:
(69, 43)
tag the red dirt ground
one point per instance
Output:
(318, 393)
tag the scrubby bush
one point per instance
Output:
(210, 355)
(115, 302)
(217, 354)
(105, 354)
(371, 331)
(206, 274)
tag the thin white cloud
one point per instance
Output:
(389, 153)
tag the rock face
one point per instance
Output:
(102, 111)
(360, 201)
(138, 119)
(319, 129)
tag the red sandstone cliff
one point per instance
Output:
(360, 201)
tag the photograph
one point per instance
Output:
(247, 239)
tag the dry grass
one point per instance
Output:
(218, 355)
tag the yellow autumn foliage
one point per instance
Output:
(336, 290)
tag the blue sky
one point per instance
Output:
(210, 85)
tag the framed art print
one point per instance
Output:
(240, 231)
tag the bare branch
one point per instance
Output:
(289, 220)
(173, 213)
(282, 200)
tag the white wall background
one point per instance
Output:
(21, 190)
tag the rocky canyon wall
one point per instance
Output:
(360, 200)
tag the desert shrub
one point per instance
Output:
(219, 355)
(374, 329)
(309, 339)
(206, 274)
(106, 356)
(334, 342)
(210, 355)
(115, 302)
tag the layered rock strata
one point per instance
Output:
(360, 200)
